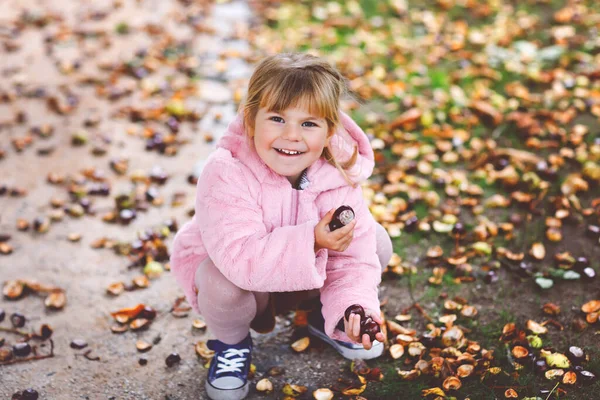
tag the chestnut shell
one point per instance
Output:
(355, 309)
(369, 327)
(341, 217)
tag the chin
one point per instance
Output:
(287, 173)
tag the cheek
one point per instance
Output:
(317, 142)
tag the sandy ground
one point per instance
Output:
(83, 272)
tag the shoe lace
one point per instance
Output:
(228, 364)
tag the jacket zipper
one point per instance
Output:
(295, 206)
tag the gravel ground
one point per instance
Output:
(83, 272)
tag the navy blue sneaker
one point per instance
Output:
(228, 372)
(351, 351)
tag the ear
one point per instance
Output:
(249, 130)
(330, 133)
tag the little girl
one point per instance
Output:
(259, 241)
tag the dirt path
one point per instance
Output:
(83, 272)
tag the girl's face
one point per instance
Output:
(290, 141)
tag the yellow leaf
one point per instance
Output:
(437, 391)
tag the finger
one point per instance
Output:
(341, 245)
(350, 235)
(342, 232)
(366, 341)
(345, 241)
(379, 336)
(329, 216)
(346, 238)
(326, 218)
(376, 317)
(346, 229)
(356, 326)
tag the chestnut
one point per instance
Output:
(30, 394)
(78, 344)
(369, 327)
(459, 230)
(593, 231)
(540, 366)
(152, 193)
(171, 224)
(367, 324)
(429, 339)
(581, 263)
(17, 320)
(501, 163)
(45, 331)
(576, 355)
(411, 224)
(587, 377)
(589, 273)
(439, 182)
(525, 268)
(21, 349)
(172, 359)
(147, 313)
(173, 124)
(491, 277)
(354, 309)
(341, 217)
(126, 216)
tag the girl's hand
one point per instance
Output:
(338, 240)
(352, 327)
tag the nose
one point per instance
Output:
(291, 132)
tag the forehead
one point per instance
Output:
(298, 112)
(303, 104)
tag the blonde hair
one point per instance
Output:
(290, 79)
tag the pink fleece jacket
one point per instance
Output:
(259, 231)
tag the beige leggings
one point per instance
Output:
(228, 310)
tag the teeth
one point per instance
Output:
(290, 152)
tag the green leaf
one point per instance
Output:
(557, 273)
(535, 341)
(571, 275)
(153, 269)
(558, 360)
(544, 283)
(551, 53)
(122, 28)
(482, 247)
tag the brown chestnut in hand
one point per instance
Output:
(341, 217)
(369, 327)
(367, 324)
(354, 309)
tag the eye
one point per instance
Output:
(311, 124)
(276, 119)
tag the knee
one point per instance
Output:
(211, 283)
(385, 248)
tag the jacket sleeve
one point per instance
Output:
(236, 239)
(353, 276)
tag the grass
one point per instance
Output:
(512, 299)
(486, 330)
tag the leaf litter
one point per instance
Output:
(435, 165)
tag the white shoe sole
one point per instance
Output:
(353, 351)
(227, 394)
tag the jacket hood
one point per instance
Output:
(321, 174)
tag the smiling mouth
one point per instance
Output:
(289, 152)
